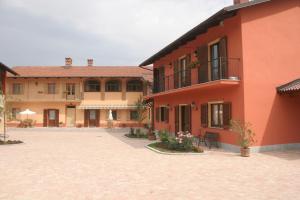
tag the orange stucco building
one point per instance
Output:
(81, 96)
(228, 67)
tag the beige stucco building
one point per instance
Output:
(76, 95)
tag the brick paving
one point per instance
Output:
(100, 164)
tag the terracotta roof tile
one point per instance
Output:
(83, 71)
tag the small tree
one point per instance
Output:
(141, 110)
(245, 133)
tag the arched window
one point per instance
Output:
(92, 86)
(113, 86)
(134, 86)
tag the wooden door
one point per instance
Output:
(91, 118)
(70, 116)
(53, 118)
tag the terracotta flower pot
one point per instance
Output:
(245, 152)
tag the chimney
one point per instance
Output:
(68, 61)
(240, 1)
(90, 62)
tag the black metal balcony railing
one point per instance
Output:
(217, 69)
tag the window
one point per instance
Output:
(112, 86)
(162, 114)
(133, 115)
(17, 88)
(134, 86)
(92, 114)
(14, 112)
(70, 88)
(215, 64)
(52, 114)
(114, 114)
(216, 115)
(51, 88)
(92, 86)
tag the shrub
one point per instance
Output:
(183, 142)
(164, 136)
(131, 132)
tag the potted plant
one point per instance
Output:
(245, 136)
(61, 124)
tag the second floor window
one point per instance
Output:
(17, 88)
(112, 86)
(134, 86)
(92, 86)
(51, 88)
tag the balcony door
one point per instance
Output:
(215, 63)
(70, 91)
(219, 60)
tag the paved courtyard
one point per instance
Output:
(102, 164)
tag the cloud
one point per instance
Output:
(115, 32)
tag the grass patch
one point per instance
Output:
(10, 142)
(164, 148)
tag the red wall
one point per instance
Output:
(271, 49)
(232, 30)
(266, 39)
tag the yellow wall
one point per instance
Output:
(35, 98)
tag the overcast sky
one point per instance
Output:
(112, 32)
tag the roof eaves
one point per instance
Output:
(201, 28)
(8, 69)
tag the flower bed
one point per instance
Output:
(164, 148)
(10, 142)
(183, 142)
(138, 133)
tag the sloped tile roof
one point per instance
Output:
(290, 87)
(83, 71)
(8, 69)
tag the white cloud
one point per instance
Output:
(139, 27)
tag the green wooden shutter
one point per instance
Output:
(226, 114)
(223, 58)
(204, 115)
(202, 55)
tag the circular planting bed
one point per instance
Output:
(161, 147)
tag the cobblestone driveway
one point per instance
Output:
(101, 164)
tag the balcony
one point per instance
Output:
(221, 72)
(59, 97)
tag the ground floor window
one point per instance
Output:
(114, 114)
(162, 114)
(216, 114)
(133, 115)
(14, 112)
